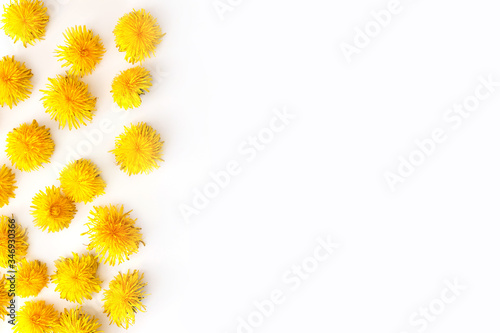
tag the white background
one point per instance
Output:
(217, 83)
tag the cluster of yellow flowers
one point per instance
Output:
(112, 233)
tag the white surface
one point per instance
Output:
(323, 175)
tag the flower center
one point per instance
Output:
(35, 318)
(68, 99)
(27, 146)
(5, 79)
(84, 52)
(55, 211)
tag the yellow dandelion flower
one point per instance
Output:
(82, 52)
(129, 85)
(29, 146)
(52, 210)
(113, 234)
(69, 101)
(76, 320)
(36, 317)
(25, 20)
(81, 181)
(31, 277)
(76, 278)
(137, 34)
(4, 297)
(7, 187)
(15, 84)
(124, 298)
(20, 240)
(138, 149)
